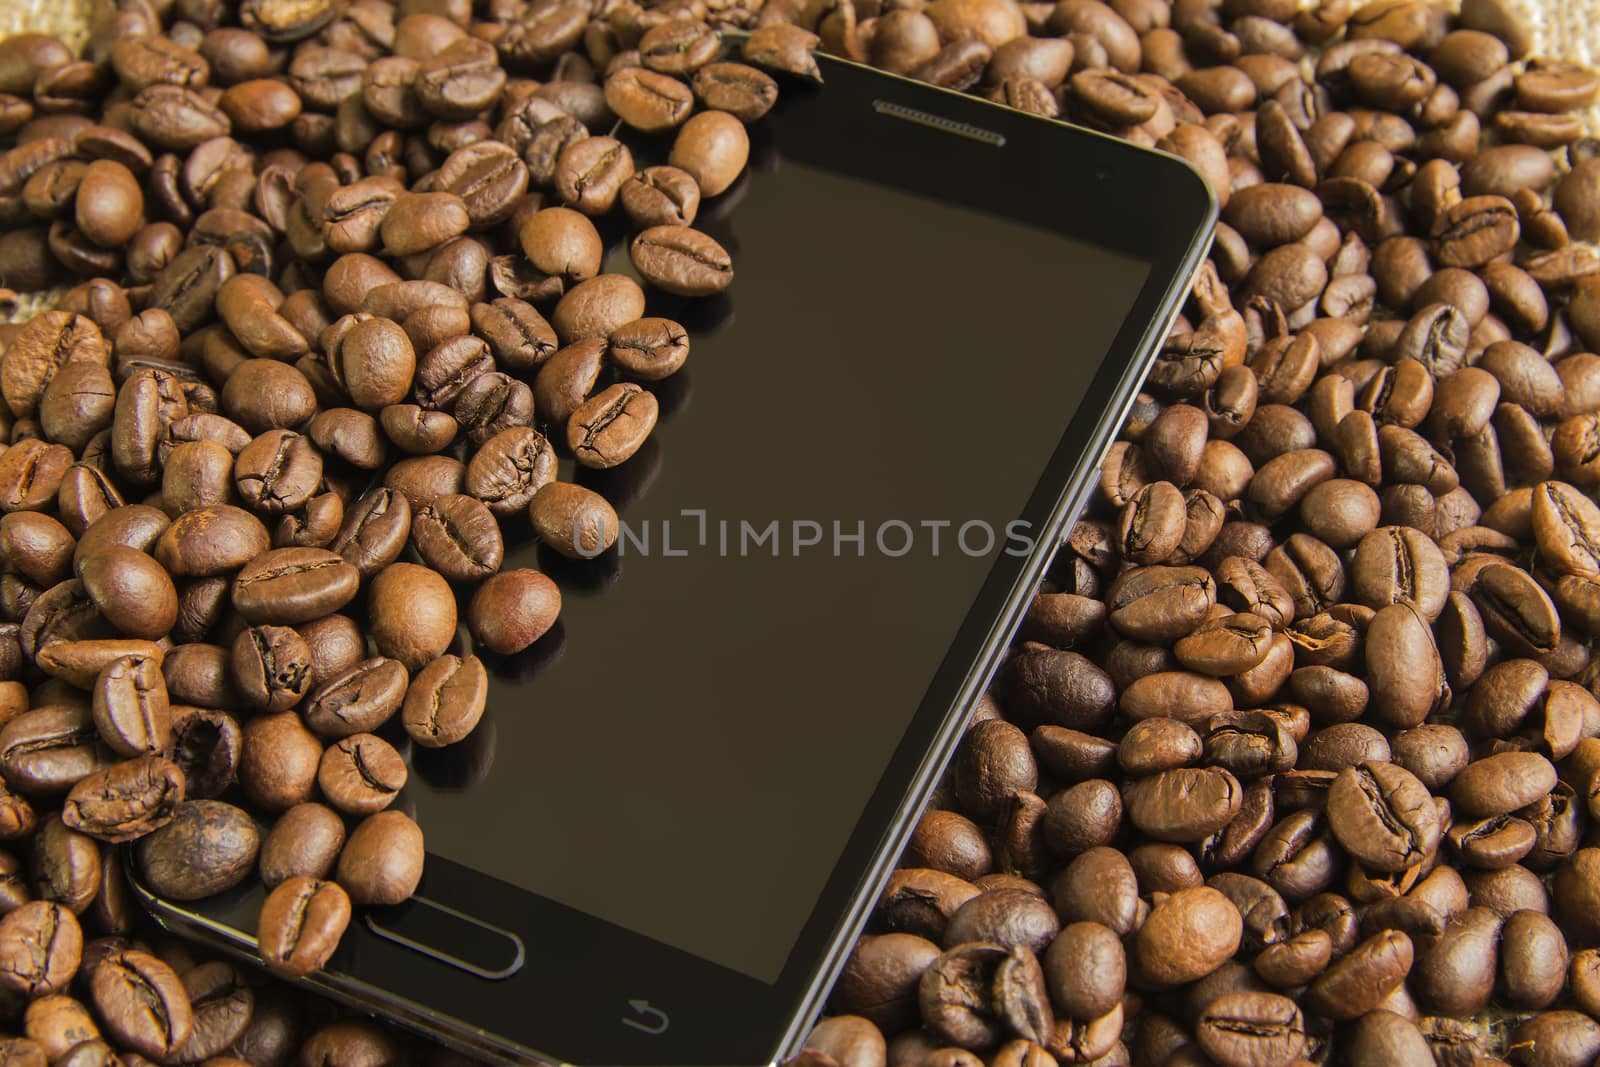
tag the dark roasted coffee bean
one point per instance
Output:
(142, 1003)
(1251, 1028)
(48, 750)
(301, 924)
(611, 426)
(382, 860)
(127, 800)
(375, 531)
(459, 537)
(361, 774)
(446, 701)
(358, 701)
(682, 261)
(294, 585)
(131, 709)
(209, 846)
(590, 173)
(271, 667)
(411, 614)
(40, 947)
(1383, 816)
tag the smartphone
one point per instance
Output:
(663, 840)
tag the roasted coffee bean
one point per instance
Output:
(590, 173)
(713, 148)
(67, 865)
(277, 472)
(40, 350)
(1184, 804)
(47, 750)
(1383, 816)
(1252, 1028)
(411, 613)
(304, 842)
(416, 222)
(373, 360)
(40, 947)
(131, 707)
(375, 531)
(271, 667)
(382, 860)
(127, 800)
(293, 585)
(213, 540)
(1187, 936)
(661, 196)
(576, 522)
(207, 847)
(446, 700)
(518, 335)
(740, 90)
(681, 261)
(458, 536)
(513, 609)
(130, 590)
(647, 100)
(955, 994)
(1396, 565)
(360, 774)
(1362, 979)
(447, 369)
(486, 176)
(1533, 960)
(206, 746)
(301, 924)
(562, 242)
(509, 468)
(610, 427)
(491, 403)
(142, 1002)
(358, 701)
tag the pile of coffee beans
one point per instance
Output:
(1296, 758)
(341, 314)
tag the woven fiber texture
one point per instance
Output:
(68, 19)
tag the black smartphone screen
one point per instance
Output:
(657, 845)
(843, 459)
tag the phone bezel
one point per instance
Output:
(582, 973)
